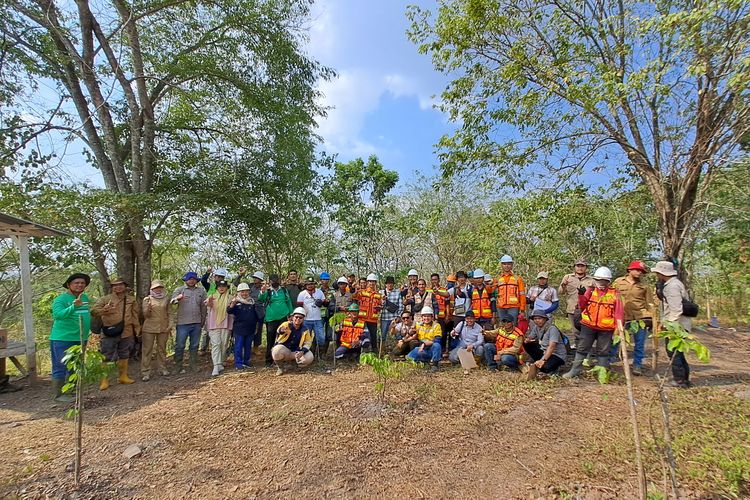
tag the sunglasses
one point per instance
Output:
(405, 317)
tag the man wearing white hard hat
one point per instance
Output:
(314, 301)
(370, 302)
(293, 342)
(409, 290)
(602, 313)
(674, 297)
(242, 306)
(429, 335)
(343, 295)
(481, 298)
(510, 292)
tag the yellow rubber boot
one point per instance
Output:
(104, 384)
(122, 366)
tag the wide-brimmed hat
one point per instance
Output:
(156, 284)
(665, 268)
(117, 280)
(75, 276)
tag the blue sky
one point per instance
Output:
(382, 99)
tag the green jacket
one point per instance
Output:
(66, 324)
(278, 304)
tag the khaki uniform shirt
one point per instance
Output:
(156, 317)
(568, 290)
(637, 298)
(114, 315)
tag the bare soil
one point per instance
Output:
(314, 434)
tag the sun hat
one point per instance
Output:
(542, 274)
(75, 276)
(156, 284)
(664, 267)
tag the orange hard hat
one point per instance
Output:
(451, 277)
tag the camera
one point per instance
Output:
(318, 303)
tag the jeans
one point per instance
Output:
(385, 325)
(316, 325)
(511, 313)
(432, 353)
(242, 348)
(192, 331)
(509, 360)
(57, 349)
(343, 351)
(639, 346)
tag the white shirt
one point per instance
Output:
(312, 312)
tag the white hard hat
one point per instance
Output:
(220, 271)
(300, 310)
(372, 277)
(603, 273)
(506, 259)
(243, 286)
(342, 280)
(478, 273)
(412, 272)
(259, 275)
(426, 310)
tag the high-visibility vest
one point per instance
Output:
(508, 291)
(506, 340)
(480, 303)
(351, 332)
(442, 302)
(368, 301)
(600, 311)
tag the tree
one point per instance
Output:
(661, 86)
(166, 96)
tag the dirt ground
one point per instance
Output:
(315, 434)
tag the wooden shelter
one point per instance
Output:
(20, 230)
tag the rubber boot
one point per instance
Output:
(104, 384)
(577, 367)
(177, 364)
(603, 361)
(57, 385)
(193, 361)
(533, 371)
(122, 368)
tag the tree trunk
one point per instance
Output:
(126, 257)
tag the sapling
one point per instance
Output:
(385, 369)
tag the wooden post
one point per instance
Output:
(642, 488)
(28, 318)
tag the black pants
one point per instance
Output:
(258, 339)
(680, 367)
(536, 352)
(373, 329)
(271, 327)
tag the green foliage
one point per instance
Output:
(602, 374)
(92, 371)
(679, 340)
(386, 370)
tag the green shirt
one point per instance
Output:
(279, 306)
(66, 324)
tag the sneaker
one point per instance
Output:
(221, 368)
(216, 371)
(146, 378)
(165, 373)
(637, 370)
(279, 371)
(680, 384)
(183, 371)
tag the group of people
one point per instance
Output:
(473, 316)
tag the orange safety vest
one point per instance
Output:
(600, 311)
(442, 303)
(508, 295)
(368, 301)
(351, 332)
(480, 303)
(506, 340)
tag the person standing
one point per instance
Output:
(220, 274)
(481, 299)
(342, 296)
(370, 303)
(328, 310)
(260, 310)
(638, 302)
(155, 330)
(542, 296)
(313, 300)
(119, 314)
(442, 299)
(278, 306)
(292, 284)
(392, 307)
(71, 319)
(568, 290)
(459, 304)
(674, 293)
(510, 292)
(242, 308)
(601, 314)
(219, 324)
(409, 290)
(191, 316)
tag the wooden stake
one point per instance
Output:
(79, 405)
(634, 418)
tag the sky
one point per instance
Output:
(382, 100)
